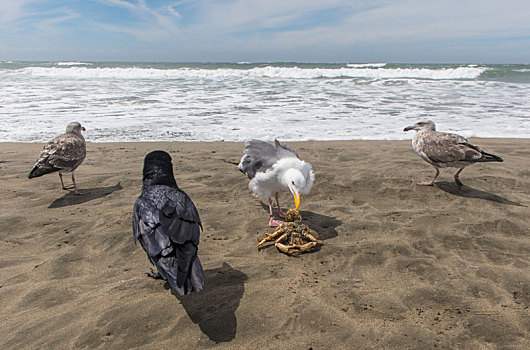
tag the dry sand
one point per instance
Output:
(398, 265)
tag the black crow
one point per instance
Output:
(167, 225)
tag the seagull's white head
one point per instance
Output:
(295, 180)
(422, 125)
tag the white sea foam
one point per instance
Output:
(74, 64)
(260, 72)
(131, 103)
(366, 65)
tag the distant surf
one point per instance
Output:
(120, 101)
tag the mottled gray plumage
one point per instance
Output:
(441, 149)
(260, 156)
(63, 154)
(167, 225)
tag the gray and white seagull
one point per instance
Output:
(275, 168)
(63, 154)
(442, 150)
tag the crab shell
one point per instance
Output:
(293, 238)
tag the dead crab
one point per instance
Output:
(293, 237)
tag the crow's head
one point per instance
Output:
(158, 169)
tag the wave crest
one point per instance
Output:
(257, 72)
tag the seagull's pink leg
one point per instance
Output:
(62, 183)
(457, 180)
(273, 222)
(430, 183)
(280, 212)
(76, 192)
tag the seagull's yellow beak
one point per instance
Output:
(296, 200)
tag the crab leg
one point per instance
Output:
(311, 237)
(281, 239)
(287, 249)
(269, 237)
(296, 248)
(307, 246)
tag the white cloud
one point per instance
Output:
(59, 16)
(273, 29)
(252, 14)
(120, 3)
(152, 24)
(173, 12)
(12, 11)
(366, 22)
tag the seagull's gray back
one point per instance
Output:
(446, 149)
(260, 156)
(64, 153)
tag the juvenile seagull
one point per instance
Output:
(167, 225)
(442, 150)
(272, 169)
(63, 154)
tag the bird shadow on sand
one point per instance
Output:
(470, 192)
(324, 225)
(90, 194)
(213, 309)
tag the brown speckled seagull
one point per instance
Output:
(63, 154)
(442, 150)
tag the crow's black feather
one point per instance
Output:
(167, 225)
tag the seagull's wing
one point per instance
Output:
(260, 156)
(283, 151)
(66, 151)
(167, 225)
(445, 148)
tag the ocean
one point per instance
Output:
(240, 101)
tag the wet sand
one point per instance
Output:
(397, 265)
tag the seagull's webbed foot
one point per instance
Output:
(156, 275)
(69, 187)
(274, 223)
(430, 183)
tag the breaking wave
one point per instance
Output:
(369, 72)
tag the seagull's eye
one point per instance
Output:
(292, 182)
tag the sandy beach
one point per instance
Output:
(397, 266)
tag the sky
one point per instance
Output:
(354, 31)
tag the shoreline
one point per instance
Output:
(398, 265)
(282, 141)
